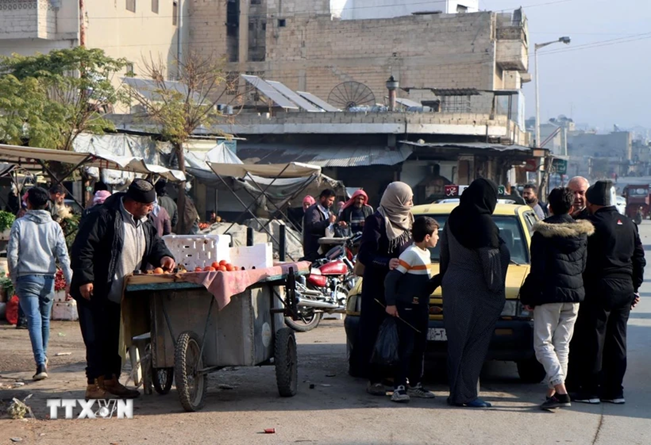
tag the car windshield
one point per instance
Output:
(638, 191)
(510, 231)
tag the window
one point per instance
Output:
(461, 9)
(175, 14)
(131, 5)
(130, 71)
(256, 2)
(154, 6)
(510, 232)
(282, 23)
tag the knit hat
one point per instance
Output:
(142, 191)
(100, 196)
(602, 193)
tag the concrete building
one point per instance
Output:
(599, 155)
(315, 46)
(133, 29)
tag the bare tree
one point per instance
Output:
(182, 107)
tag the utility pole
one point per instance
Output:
(536, 47)
(82, 23)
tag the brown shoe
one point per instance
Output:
(93, 391)
(114, 387)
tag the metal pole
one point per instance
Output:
(282, 243)
(535, 53)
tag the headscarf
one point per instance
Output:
(24, 199)
(100, 196)
(309, 199)
(351, 201)
(471, 222)
(396, 212)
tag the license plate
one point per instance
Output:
(436, 334)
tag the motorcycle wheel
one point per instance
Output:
(306, 321)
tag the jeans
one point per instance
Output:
(36, 295)
(553, 326)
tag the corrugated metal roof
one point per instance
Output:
(474, 145)
(323, 156)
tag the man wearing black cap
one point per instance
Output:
(614, 273)
(112, 243)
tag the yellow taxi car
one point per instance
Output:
(513, 336)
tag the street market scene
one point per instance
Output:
(323, 222)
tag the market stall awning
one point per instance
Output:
(469, 145)
(288, 170)
(323, 156)
(14, 154)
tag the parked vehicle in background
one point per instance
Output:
(326, 288)
(513, 336)
(637, 201)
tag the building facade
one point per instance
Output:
(317, 46)
(137, 30)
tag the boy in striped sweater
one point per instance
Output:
(407, 291)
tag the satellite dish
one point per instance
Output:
(351, 94)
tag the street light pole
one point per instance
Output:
(536, 47)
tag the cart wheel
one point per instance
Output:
(190, 384)
(162, 379)
(286, 361)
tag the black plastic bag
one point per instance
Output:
(385, 351)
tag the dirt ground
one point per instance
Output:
(330, 407)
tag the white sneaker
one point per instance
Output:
(400, 395)
(420, 392)
(616, 401)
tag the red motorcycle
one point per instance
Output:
(326, 288)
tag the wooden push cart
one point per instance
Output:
(182, 337)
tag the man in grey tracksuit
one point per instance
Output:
(35, 243)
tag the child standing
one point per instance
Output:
(407, 291)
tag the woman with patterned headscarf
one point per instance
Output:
(386, 234)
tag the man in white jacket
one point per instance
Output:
(35, 243)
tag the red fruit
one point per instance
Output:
(222, 268)
(230, 267)
(209, 269)
(215, 265)
(198, 269)
(223, 262)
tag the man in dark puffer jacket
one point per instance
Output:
(614, 273)
(555, 288)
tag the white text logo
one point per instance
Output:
(91, 409)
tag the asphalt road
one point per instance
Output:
(242, 402)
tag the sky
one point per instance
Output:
(600, 86)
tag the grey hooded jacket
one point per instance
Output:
(36, 241)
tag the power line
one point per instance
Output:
(601, 43)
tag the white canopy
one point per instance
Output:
(16, 154)
(291, 170)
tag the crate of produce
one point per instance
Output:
(258, 256)
(192, 251)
